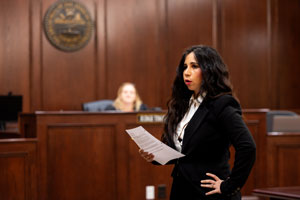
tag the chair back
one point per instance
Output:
(95, 106)
(272, 113)
(286, 124)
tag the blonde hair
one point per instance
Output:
(118, 104)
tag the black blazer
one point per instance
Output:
(215, 126)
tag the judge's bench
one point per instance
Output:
(88, 155)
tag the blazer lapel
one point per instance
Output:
(194, 124)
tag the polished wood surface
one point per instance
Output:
(18, 169)
(244, 33)
(187, 23)
(86, 155)
(142, 41)
(82, 155)
(90, 156)
(289, 193)
(284, 25)
(15, 49)
(283, 161)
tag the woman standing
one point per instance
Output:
(203, 121)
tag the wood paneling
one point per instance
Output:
(14, 49)
(36, 32)
(79, 167)
(142, 41)
(284, 160)
(18, 169)
(101, 48)
(244, 48)
(133, 47)
(66, 74)
(285, 61)
(90, 156)
(188, 23)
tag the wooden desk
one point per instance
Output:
(84, 155)
(18, 169)
(283, 160)
(291, 193)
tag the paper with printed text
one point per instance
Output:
(162, 153)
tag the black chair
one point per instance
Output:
(272, 113)
(95, 106)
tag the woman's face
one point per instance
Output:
(128, 94)
(192, 73)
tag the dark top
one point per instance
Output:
(215, 126)
(111, 107)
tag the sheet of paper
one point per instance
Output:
(162, 153)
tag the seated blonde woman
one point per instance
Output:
(128, 99)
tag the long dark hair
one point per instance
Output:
(215, 82)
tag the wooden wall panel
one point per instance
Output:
(244, 47)
(76, 149)
(188, 23)
(142, 41)
(82, 167)
(18, 169)
(284, 160)
(15, 49)
(68, 75)
(133, 44)
(285, 61)
(36, 57)
(101, 48)
(89, 155)
(289, 159)
(13, 177)
(95, 156)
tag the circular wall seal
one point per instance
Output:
(68, 25)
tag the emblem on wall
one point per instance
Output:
(68, 25)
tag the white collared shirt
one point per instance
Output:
(194, 105)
